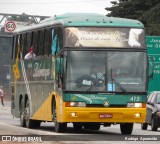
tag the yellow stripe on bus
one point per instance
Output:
(45, 111)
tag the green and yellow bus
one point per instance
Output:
(58, 86)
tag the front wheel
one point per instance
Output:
(154, 126)
(59, 127)
(126, 128)
(144, 126)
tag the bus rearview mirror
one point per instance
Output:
(150, 69)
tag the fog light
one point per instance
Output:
(137, 115)
(73, 114)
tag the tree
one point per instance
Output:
(146, 11)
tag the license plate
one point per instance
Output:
(105, 116)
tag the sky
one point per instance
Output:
(53, 7)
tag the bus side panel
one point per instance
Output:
(36, 84)
(41, 86)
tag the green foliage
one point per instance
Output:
(146, 11)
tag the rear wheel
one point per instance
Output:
(154, 126)
(126, 128)
(29, 122)
(22, 115)
(144, 126)
(59, 127)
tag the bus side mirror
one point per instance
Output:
(58, 66)
(150, 68)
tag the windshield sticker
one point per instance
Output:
(85, 82)
(131, 83)
(111, 87)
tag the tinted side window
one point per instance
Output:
(23, 44)
(40, 42)
(29, 39)
(47, 42)
(35, 42)
(16, 47)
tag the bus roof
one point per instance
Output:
(85, 19)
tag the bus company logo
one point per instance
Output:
(106, 104)
(6, 138)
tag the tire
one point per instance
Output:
(144, 126)
(29, 122)
(126, 128)
(59, 127)
(154, 126)
(22, 115)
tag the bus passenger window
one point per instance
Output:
(47, 42)
(40, 43)
(23, 44)
(35, 41)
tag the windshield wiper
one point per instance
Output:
(116, 82)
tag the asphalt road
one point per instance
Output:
(11, 127)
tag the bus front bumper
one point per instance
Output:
(111, 115)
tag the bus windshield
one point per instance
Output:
(105, 71)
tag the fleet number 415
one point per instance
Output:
(135, 98)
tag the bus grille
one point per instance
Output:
(102, 106)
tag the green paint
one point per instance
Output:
(101, 98)
(153, 49)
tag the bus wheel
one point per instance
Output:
(144, 126)
(29, 122)
(22, 115)
(59, 127)
(126, 128)
(154, 126)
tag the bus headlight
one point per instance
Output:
(136, 105)
(75, 104)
